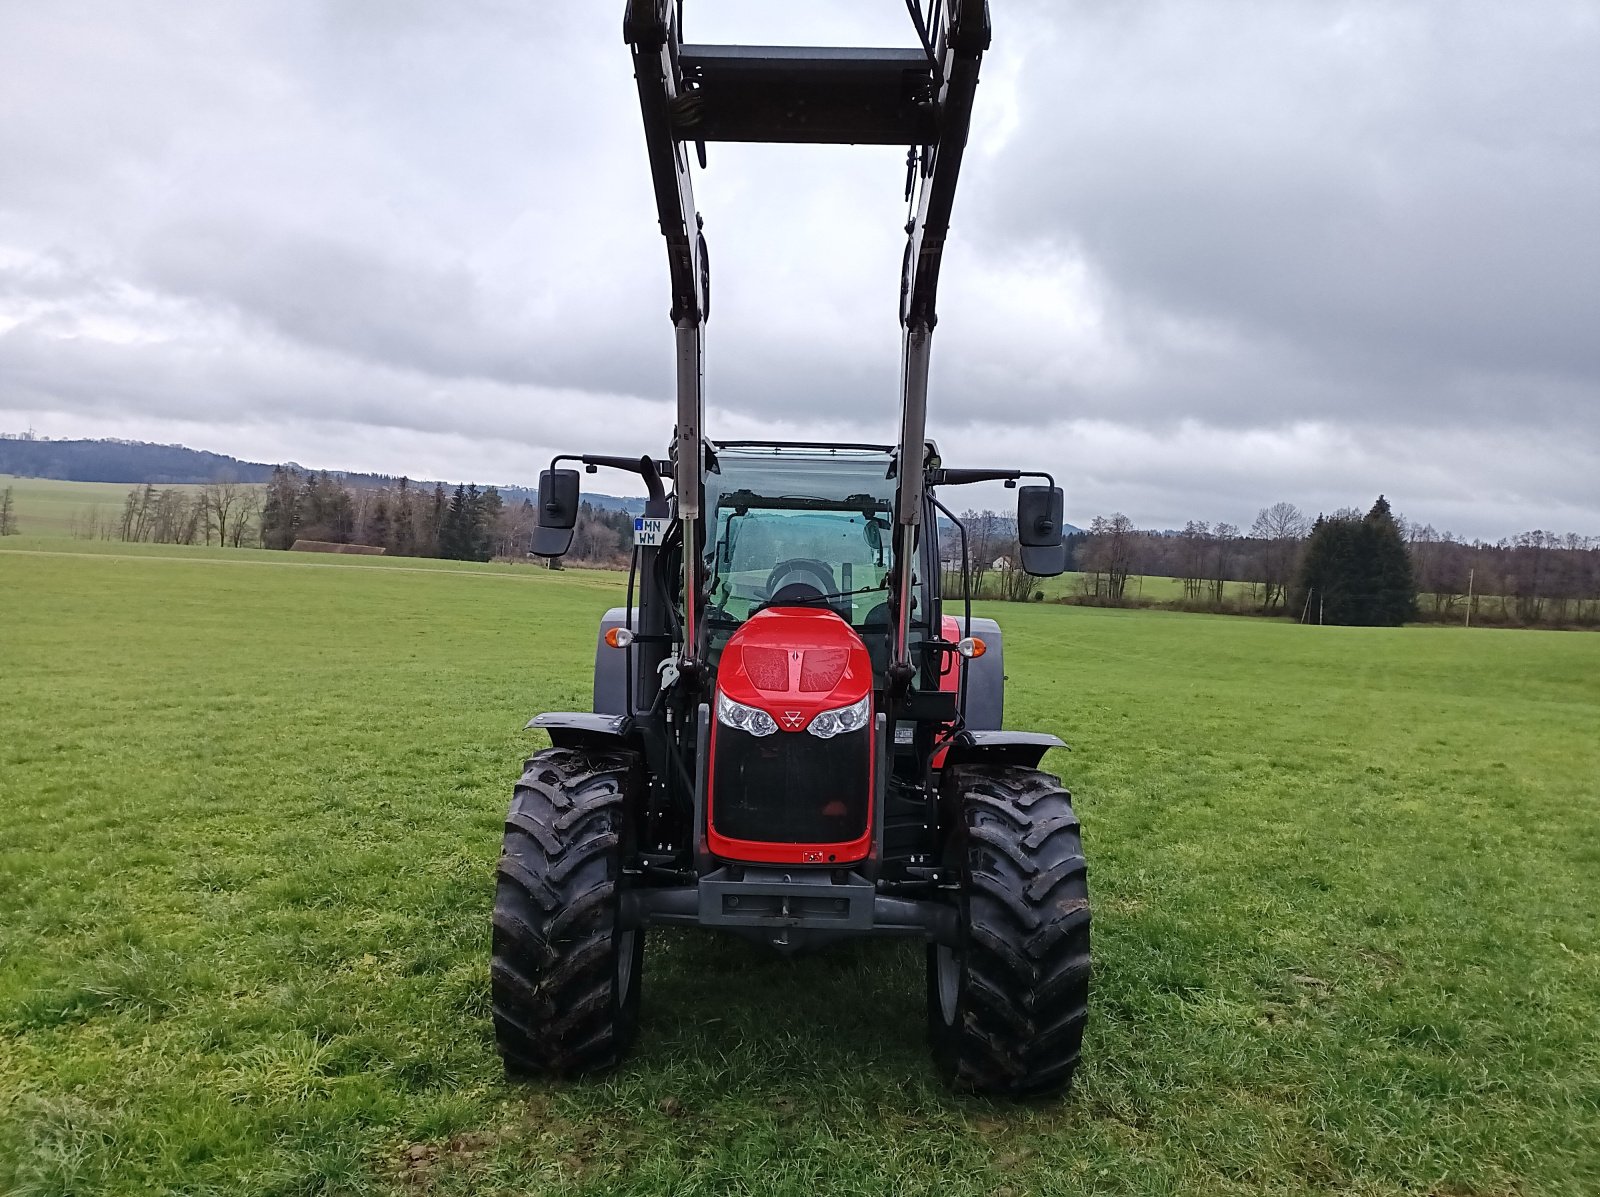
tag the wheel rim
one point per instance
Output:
(947, 978)
(625, 963)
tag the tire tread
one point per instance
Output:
(1024, 1003)
(554, 952)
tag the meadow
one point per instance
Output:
(1345, 886)
(53, 508)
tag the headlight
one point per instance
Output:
(747, 719)
(843, 719)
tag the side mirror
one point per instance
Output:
(1040, 530)
(558, 513)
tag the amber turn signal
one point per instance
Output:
(971, 647)
(619, 637)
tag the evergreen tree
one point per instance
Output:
(326, 510)
(404, 529)
(280, 513)
(490, 509)
(455, 533)
(1392, 590)
(1356, 571)
(1313, 573)
(472, 524)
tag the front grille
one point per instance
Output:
(791, 788)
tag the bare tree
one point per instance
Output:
(1441, 563)
(8, 514)
(139, 513)
(246, 516)
(1529, 573)
(985, 538)
(177, 519)
(220, 503)
(85, 523)
(513, 530)
(1192, 557)
(1223, 547)
(1279, 531)
(1109, 556)
(1017, 585)
(165, 517)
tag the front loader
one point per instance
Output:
(794, 738)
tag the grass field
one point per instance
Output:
(1345, 882)
(1142, 588)
(50, 507)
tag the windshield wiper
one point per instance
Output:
(747, 500)
(812, 600)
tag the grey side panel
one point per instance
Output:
(1001, 748)
(611, 665)
(986, 678)
(580, 729)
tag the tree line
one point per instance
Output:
(222, 512)
(1343, 567)
(1346, 567)
(463, 524)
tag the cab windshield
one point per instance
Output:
(810, 527)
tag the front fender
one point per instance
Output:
(1026, 749)
(582, 729)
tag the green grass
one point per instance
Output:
(1150, 588)
(46, 546)
(1345, 887)
(53, 508)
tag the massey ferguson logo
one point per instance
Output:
(793, 719)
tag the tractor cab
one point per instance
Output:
(803, 526)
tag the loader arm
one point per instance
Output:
(919, 97)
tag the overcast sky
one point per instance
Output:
(1206, 256)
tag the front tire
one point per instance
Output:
(1007, 1004)
(564, 978)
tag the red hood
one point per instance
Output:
(794, 662)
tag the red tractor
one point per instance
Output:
(793, 739)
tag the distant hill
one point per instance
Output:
(122, 461)
(136, 462)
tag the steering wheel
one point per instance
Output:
(807, 571)
(795, 594)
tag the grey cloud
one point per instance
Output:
(343, 297)
(1393, 192)
(1206, 256)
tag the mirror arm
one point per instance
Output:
(648, 468)
(947, 477)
